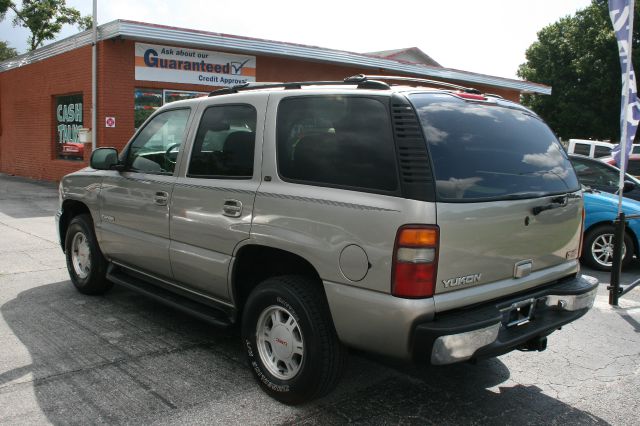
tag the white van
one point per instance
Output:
(593, 149)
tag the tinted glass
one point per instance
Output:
(636, 149)
(634, 167)
(155, 149)
(225, 143)
(601, 151)
(582, 149)
(592, 173)
(489, 152)
(337, 141)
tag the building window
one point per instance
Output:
(146, 101)
(180, 95)
(68, 121)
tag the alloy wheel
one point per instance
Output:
(280, 342)
(602, 250)
(81, 255)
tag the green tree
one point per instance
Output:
(44, 18)
(4, 6)
(6, 52)
(578, 57)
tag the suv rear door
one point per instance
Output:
(212, 205)
(508, 201)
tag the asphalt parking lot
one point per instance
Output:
(66, 358)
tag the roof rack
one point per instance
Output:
(418, 80)
(375, 82)
(362, 84)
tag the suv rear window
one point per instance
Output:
(337, 141)
(483, 152)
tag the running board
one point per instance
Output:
(204, 312)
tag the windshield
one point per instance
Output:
(483, 152)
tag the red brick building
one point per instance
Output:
(45, 95)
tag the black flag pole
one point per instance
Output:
(616, 268)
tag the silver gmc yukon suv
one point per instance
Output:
(423, 222)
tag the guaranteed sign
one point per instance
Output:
(180, 65)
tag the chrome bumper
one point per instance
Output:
(498, 328)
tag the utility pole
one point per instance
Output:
(94, 79)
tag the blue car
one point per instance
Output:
(601, 209)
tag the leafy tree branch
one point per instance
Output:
(6, 52)
(43, 18)
(578, 57)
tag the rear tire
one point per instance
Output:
(86, 265)
(597, 251)
(290, 341)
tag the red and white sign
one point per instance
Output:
(110, 122)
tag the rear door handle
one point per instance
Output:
(232, 208)
(160, 198)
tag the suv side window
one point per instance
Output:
(633, 167)
(225, 143)
(155, 149)
(601, 151)
(339, 141)
(582, 149)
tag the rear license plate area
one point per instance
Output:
(519, 313)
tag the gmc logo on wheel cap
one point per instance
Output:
(282, 342)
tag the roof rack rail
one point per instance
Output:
(364, 84)
(376, 82)
(361, 78)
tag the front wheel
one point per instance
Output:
(86, 265)
(290, 341)
(597, 250)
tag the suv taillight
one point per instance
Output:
(415, 261)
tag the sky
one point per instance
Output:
(483, 36)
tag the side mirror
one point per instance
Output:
(628, 186)
(104, 158)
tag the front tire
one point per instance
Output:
(290, 341)
(86, 265)
(597, 251)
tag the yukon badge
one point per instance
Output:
(456, 282)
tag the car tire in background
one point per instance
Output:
(85, 262)
(290, 341)
(597, 250)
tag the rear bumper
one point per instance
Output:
(496, 328)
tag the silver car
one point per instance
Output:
(429, 224)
